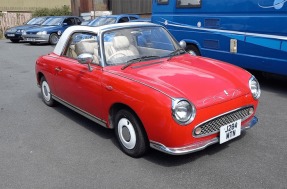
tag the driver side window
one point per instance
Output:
(83, 43)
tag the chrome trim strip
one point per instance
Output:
(197, 146)
(183, 150)
(179, 25)
(82, 112)
(217, 117)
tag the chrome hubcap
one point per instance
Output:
(46, 91)
(54, 39)
(127, 133)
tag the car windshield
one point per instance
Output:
(53, 22)
(131, 45)
(37, 21)
(102, 21)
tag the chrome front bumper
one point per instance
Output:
(197, 146)
(36, 38)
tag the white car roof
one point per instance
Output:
(62, 41)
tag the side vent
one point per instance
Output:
(212, 23)
(211, 44)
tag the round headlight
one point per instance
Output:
(183, 111)
(254, 87)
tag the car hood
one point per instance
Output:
(202, 81)
(44, 28)
(24, 27)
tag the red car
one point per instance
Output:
(137, 79)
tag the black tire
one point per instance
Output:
(15, 40)
(46, 92)
(130, 134)
(193, 50)
(53, 39)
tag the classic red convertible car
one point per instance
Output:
(137, 79)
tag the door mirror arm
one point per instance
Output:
(86, 58)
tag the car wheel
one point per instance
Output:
(193, 50)
(53, 39)
(46, 93)
(130, 134)
(15, 40)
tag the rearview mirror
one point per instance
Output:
(86, 58)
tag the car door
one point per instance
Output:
(75, 84)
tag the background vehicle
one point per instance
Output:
(51, 30)
(15, 33)
(250, 33)
(141, 20)
(112, 19)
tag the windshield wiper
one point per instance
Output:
(139, 59)
(176, 52)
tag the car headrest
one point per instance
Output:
(120, 42)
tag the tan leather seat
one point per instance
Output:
(88, 46)
(121, 47)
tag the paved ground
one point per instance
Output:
(42, 147)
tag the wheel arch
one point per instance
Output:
(194, 44)
(39, 76)
(114, 109)
(117, 107)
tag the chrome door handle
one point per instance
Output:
(58, 69)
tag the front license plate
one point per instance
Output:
(30, 39)
(230, 131)
(11, 35)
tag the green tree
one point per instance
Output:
(63, 11)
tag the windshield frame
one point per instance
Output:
(172, 41)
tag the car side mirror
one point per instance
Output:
(86, 58)
(182, 43)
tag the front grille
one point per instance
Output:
(213, 126)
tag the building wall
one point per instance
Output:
(86, 6)
(31, 5)
(116, 6)
(131, 6)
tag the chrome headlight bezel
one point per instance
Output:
(180, 104)
(254, 88)
(42, 33)
(20, 31)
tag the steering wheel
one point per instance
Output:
(116, 55)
